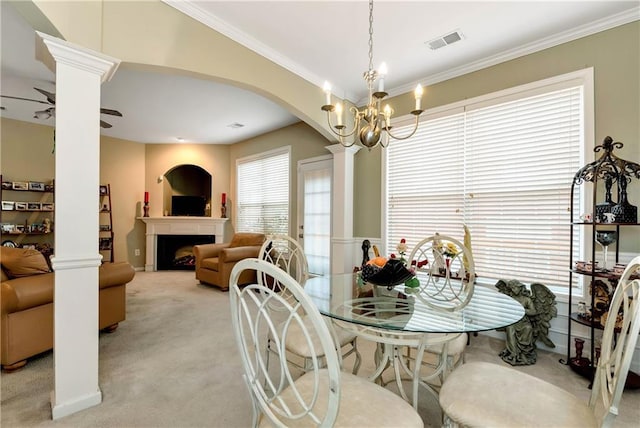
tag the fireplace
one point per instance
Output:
(158, 227)
(175, 252)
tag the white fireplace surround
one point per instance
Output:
(179, 226)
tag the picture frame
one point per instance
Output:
(48, 187)
(105, 244)
(20, 228)
(20, 185)
(105, 228)
(7, 185)
(33, 206)
(8, 205)
(103, 190)
(46, 206)
(8, 228)
(21, 206)
(36, 186)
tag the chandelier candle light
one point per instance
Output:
(372, 124)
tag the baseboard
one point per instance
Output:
(70, 407)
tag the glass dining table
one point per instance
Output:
(403, 318)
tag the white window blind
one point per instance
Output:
(263, 193)
(504, 169)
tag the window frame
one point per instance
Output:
(584, 78)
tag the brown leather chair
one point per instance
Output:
(215, 261)
(26, 309)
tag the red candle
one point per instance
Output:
(224, 198)
(146, 197)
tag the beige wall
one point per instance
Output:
(26, 155)
(615, 57)
(122, 166)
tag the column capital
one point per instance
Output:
(339, 148)
(52, 50)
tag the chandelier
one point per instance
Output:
(372, 124)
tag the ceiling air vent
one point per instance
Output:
(235, 125)
(445, 40)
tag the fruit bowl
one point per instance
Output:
(394, 272)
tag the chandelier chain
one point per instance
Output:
(370, 35)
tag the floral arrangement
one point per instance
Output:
(450, 250)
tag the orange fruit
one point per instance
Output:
(378, 261)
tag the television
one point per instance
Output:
(188, 206)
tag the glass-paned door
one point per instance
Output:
(314, 213)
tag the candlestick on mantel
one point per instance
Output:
(145, 208)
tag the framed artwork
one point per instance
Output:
(105, 243)
(21, 206)
(46, 206)
(33, 206)
(7, 185)
(8, 228)
(36, 185)
(8, 205)
(20, 185)
(103, 190)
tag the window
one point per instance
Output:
(263, 193)
(503, 165)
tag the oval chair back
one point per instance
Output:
(273, 391)
(446, 271)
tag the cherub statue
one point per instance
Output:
(539, 307)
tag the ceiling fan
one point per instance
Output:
(51, 101)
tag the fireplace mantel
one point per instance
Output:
(179, 226)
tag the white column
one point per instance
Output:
(79, 74)
(342, 208)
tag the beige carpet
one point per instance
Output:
(173, 363)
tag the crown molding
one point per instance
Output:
(594, 27)
(214, 22)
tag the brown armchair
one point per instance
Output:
(215, 261)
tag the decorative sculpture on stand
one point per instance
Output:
(539, 306)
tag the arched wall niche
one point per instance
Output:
(187, 191)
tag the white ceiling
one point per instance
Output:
(318, 40)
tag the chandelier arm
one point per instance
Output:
(415, 128)
(345, 144)
(345, 134)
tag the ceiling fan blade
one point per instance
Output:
(104, 124)
(51, 97)
(111, 112)
(25, 99)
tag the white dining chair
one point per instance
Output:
(287, 254)
(446, 271)
(485, 394)
(324, 395)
